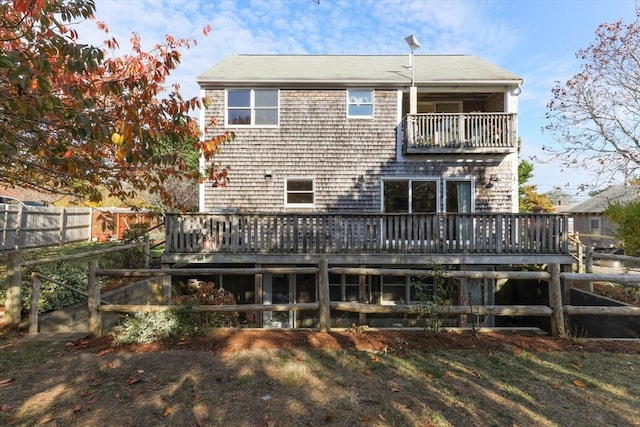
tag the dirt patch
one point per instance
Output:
(228, 341)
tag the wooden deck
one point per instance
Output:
(489, 235)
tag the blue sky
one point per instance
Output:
(536, 39)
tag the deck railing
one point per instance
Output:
(300, 233)
(472, 132)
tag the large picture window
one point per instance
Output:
(299, 192)
(252, 107)
(409, 196)
(360, 103)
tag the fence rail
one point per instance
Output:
(14, 265)
(25, 227)
(557, 310)
(324, 305)
(368, 233)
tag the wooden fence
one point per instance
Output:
(324, 305)
(556, 309)
(24, 227)
(13, 297)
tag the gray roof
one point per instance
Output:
(387, 70)
(616, 194)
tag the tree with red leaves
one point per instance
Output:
(77, 119)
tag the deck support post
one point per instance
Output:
(324, 298)
(555, 302)
(13, 300)
(362, 296)
(93, 301)
(259, 296)
(463, 297)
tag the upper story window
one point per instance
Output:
(360, 103)
(252, 107)
(299, 192)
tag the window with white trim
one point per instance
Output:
(299, 193)
(252, 107)
(360, 103)
(410, 195)
(458, 195)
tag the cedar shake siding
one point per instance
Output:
(346, 157)
(464, 128)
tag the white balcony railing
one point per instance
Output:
(473, 132)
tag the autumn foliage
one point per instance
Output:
(76, 118)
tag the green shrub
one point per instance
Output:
(626, 216)
(52, 296)
(181, 319)
(147, 327)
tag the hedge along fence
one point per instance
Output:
(324, 304)
(13, 298)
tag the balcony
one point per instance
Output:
(472, 133)
(363, 234)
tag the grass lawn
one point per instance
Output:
(65, 384)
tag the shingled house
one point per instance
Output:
(589, 220)
(374, 160)
(335, 134)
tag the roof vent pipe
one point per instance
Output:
(413, 44)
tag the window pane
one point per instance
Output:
(335, 293)
(361, 110)
(359, 97)
(266, 98)
(393, 293)
(239, 98)
(396, 196)
(458, 196)
(299, 185)
(267, 116)
(300, 198)
(423, 196)
(360, 103)
(394, 280)
(352, 293)
(239, 117)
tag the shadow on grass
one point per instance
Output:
(54, 383)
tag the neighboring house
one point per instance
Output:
(367, 162)
(337, 134)
(588, 218)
